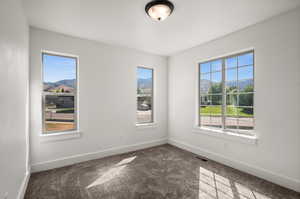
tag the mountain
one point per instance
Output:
(242, 83)
(205, 84)
(63, 88)
(66, 84)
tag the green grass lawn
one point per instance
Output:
(217, 110)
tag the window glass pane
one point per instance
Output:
(245, 59)
(231, 87)
(205, 67)
(231, 62)
(205, 120)
(246, 72)
(59, 91)
(246, 123)
(216, 99)
(144, 95)
(245, 99)
(205, 83)
(144, 109)
(245, 111)
(216, 65)
(246, 86)
(231, 80)
(59, 74)
(205, 100)
(204, 110)
(216, 79)
(216, 121)
(231, 74)
(245, 82)
(59, 113)
(211, 110)
(232, 111)
(205, 76)
(231, 123)
(232, 99)
(211, 121)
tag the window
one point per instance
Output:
(227, 92)
(144, 95)
(59, 93)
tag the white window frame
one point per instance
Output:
(72, 133)
(152, 123)
(243, 133)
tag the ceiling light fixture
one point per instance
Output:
(159, 10)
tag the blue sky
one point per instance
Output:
(245, 72)
(144, 73)
(57, 68)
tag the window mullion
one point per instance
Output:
(210, 85)
(223, 93)
(43, 111)
(199, 96)
(238, 95)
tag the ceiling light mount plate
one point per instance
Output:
(159, 10)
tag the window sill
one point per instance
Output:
(59, 136)
(146, 125)
(246, 139)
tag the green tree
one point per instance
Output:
(247, 99)
(248, 88)
(215, 88)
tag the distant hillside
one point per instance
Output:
(205, 84)
(66, 84)
(242, 83)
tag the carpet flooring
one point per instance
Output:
(154, 173)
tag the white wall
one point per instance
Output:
(107, 99)
(277, 111)
(13, 98)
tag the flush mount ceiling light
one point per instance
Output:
(159, 10)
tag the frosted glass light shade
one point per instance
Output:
(159, 10)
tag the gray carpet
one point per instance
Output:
(159, 172)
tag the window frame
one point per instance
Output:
(76, 95)
(152, 122)
(224, 94)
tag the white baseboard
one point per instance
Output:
(23, 187)
(284, 181)
(42, 166)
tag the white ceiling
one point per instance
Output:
(125, 23)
